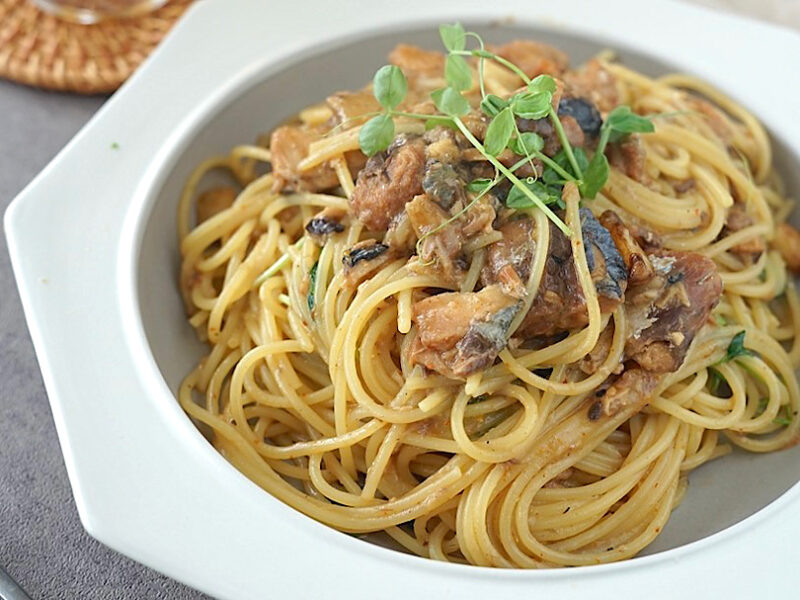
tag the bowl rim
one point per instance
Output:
(160, 398)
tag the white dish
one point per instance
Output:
(93, 247)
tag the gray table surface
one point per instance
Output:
(42, 543)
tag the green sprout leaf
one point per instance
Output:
(736, 348)
(532, 105)
(595, 176)
(450, 101)
(580, 157)
(477, 186)
(389, 86)
(376, 134)
(453, 37)
(542, 84)
(622, 121)
(492, 105)
(517, 199)
(526, 143)
(562, 160)
(552, 177)
(312, 284)
(534, 102)
(499, 132)
(457, 73)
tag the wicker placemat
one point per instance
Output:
(38, 49)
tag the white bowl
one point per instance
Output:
(94, 249)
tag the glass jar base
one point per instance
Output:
(89, 12)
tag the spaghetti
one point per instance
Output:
(331, 379)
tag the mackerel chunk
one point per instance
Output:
(667, 312)
(388, 181)
(559, 304)
(460, 333)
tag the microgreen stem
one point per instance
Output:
(562, 137)
(605, 135)
(481, 60)
(278, 264)
(555, 166)
(440, 118)
(524, 147)
(499, 59)
(512, 178)
(497, 179)
(469, 205)
(368, 115)
(543, 157)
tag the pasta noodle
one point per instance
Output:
(310, 389)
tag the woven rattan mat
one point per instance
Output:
(38, 49)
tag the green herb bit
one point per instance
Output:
(736, 349)
(477, 399)
(786, 419)
(762, 406)
(720, 320)
(312, 274)
(114, 146)
(782, 419)
(716, 382)
(488, 422)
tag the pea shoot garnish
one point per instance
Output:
(390, 88)
(620, 122)
(532, 102)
